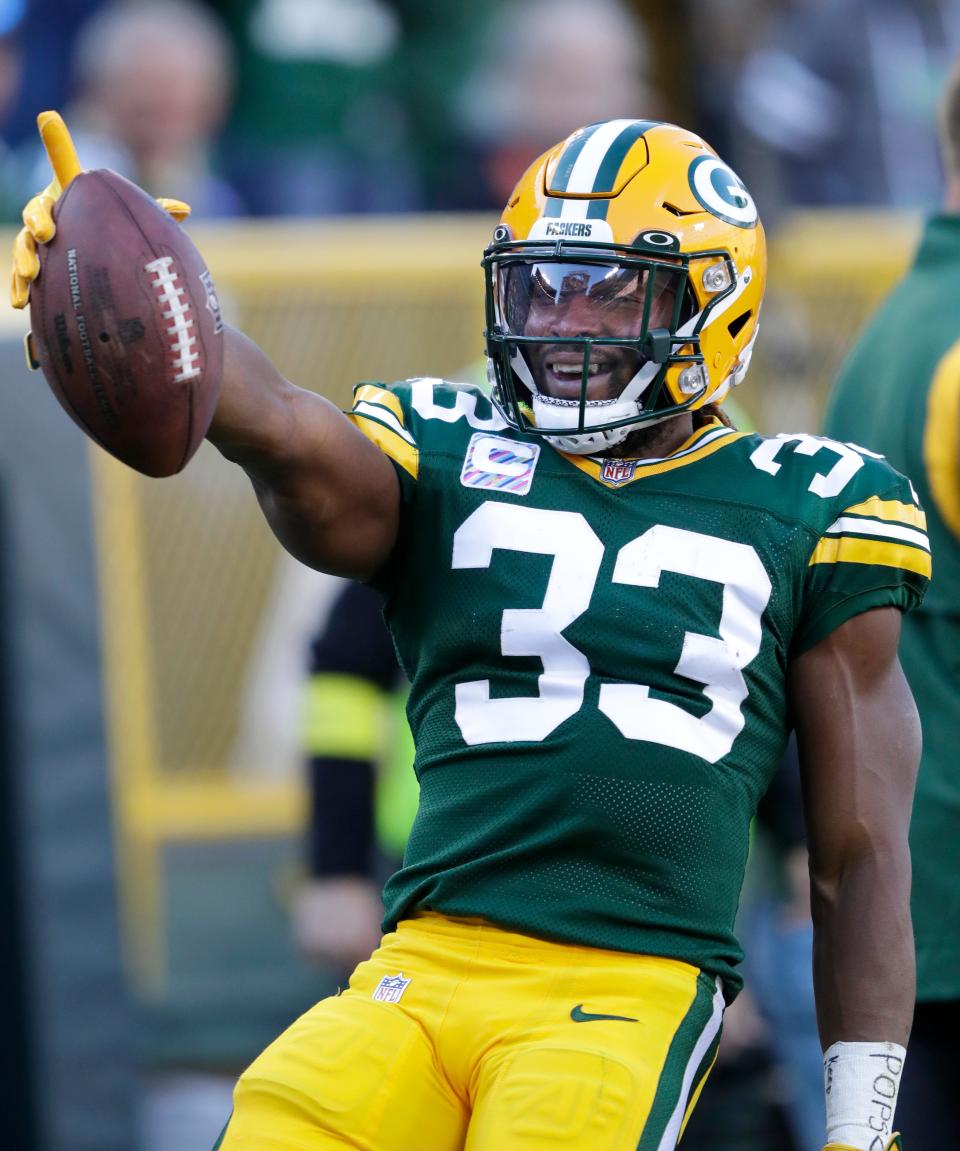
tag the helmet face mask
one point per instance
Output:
(610, 322)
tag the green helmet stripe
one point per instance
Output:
(561, 178)
(605, 168)
(606, 177)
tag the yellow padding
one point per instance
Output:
(343, 717)
(391, 444)
(852, 550)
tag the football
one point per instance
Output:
(126, 324)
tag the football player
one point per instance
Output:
(918, 426)
(612, 607)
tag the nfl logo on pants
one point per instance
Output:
(390, 989)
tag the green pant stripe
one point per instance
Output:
(222, 1134)
(694, 1040)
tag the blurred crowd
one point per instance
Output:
(321, 107)
(307, 107)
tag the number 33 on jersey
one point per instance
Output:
(598, 653)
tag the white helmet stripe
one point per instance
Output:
(585, 170)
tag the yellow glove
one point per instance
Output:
(895, 1144)
(38, 226)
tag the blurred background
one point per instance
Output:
(164, 727)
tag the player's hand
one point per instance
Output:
(38, 226)
(337, 920)
(895, 1144)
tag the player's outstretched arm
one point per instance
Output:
(330, 495)
(859, 738)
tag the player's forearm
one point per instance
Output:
(858, 735)
(255, 421)
(863, 959)
(330, 496)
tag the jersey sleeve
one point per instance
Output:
(383, 415)
(874, 553)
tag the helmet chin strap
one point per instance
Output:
(596, 442)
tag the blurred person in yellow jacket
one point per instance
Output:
(363, 792)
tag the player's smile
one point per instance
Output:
(558, 371)
(580, 302)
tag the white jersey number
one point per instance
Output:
(825, 484)
(577, 554)
(716, 663)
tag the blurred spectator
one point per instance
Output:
(544, 67)
(152, 86)
(11, 15)
(11, 72)
(715, 40)
(363, 792)
(899, 393)
(319, 126)
(43, 36)
(838, 102)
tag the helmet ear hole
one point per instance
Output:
(736, 326)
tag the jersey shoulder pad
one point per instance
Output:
(405, 417)
(869, 546)
(876, 519)
(818, 477)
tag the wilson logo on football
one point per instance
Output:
(176, 309)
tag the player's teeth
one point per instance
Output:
(574, 369)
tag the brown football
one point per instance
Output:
(126, 324)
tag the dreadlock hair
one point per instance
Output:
(708, 412)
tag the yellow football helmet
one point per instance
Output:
(623, 285)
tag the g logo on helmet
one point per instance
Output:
(721, 191)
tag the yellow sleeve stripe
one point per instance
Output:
(343, 717)
(892, 510)
(850, 550)
(941, 439)
(373, 394)
(390, 443)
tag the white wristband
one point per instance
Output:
(861, 1081)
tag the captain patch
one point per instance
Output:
(504, 465)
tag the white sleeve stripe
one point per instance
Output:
(383, 416)
(848, 525)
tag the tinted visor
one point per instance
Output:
(624, 301)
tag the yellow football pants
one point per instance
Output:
(458, 1035)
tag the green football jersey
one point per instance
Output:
(598, 651)
(899, 393)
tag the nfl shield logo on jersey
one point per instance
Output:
(618, 472)
(390, 989)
